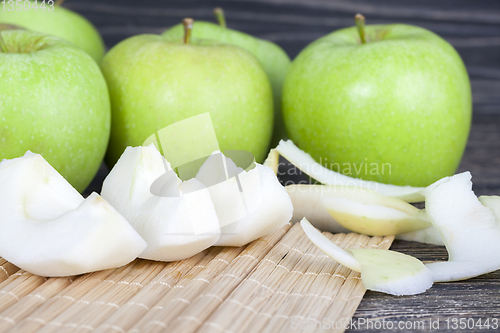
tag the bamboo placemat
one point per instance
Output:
(267, 286)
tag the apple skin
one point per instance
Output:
(60, 22)
(273, 59)
(53, 101)
(155, 81)
(402, 98)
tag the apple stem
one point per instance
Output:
(219, 15)
(188, 27)
(360, 23)
(59, 2)
(3, 46)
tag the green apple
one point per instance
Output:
(395, 108)
(273, 59)
(55, 20)
(53, 101)
(155, 81)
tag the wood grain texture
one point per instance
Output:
(478, 298)
(473, 27)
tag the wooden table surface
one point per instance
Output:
(473, 27)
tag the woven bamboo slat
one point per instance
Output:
(6, 269)
(267, 286)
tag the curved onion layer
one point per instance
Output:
(331, 249)
(428, 235)
(381, 270)
(392, 272)
(272, 161)
(249, 204)
(222, 205)
(306, 200)
(309, 166)
(177, 219)
(48, 229)
(469, 229)
(356, 209)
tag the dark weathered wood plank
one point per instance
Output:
(478, 298)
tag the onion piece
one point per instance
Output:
(392, 272)
(381, 270)
(306, 200)
(223, 205)
(47, 228)
(249, 204)
(493, 203)
(177, 219)
(331, 249)
(309, 166)
(272, 161)
(468, 228)
(428, 236)
(356, 209)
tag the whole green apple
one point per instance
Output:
(53, 101)
(55, 20)
(155, 81)
(273, 59)
(394, 109)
